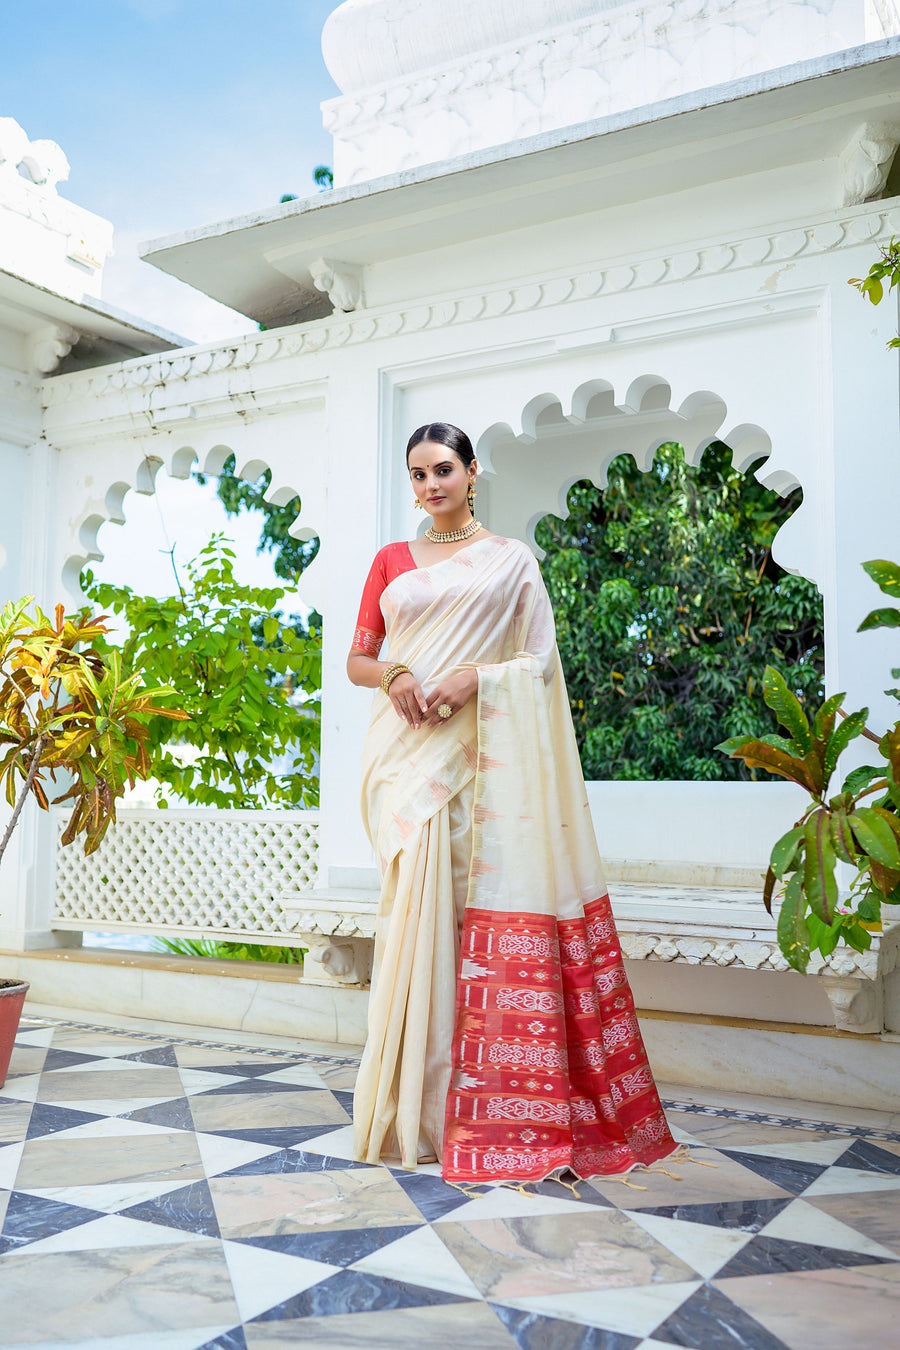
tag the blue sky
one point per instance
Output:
(172, 114)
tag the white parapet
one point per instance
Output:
(46, 239)
(422, 82)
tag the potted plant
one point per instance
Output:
(66, 710)
(859, 825)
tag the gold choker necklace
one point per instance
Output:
(453, 536)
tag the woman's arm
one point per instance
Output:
(405, 692)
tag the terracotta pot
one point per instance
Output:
(12, 997)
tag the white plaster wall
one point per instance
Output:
(738, 339)
(26, 516)
(717, 825)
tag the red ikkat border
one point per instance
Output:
(549, 1067)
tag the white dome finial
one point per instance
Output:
(369, 42)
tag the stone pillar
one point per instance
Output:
(26, 872)
(355, 526)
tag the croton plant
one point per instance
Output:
(858, 825)
(67, 710)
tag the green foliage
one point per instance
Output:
(291, 555)
(836, 828)
(68, 706)
(238, 668)
(322, 177)
(886, 269)
(667, 603)
(230, 951)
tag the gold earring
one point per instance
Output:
(417, 504)
(471, 497)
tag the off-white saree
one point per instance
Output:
(502, 1035)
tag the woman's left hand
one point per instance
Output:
(455, 691)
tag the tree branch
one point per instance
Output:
(33, 767)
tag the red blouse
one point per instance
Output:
(389, 563)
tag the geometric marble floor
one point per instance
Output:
(168, 1193)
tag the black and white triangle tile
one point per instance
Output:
(173, 1194)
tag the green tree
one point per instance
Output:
(291, 555)
(668, 603)
(241, 672)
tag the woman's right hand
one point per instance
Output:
(408, 699)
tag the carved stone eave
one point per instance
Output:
(866, 161)
(47, 346)
(166, 374)
(342, 282)
(797, 115)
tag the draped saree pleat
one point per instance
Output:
(502, 1037)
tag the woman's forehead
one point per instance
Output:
(427, 455)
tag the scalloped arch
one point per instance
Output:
(181, 463)
(558, 441)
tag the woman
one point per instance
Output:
(502, 1037)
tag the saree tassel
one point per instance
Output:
(570, 1186)
(665, 1172)
(632, 1185)
(683, 1155)
(458, 1186)
(519, 1186)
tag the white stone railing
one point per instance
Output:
(198, 872)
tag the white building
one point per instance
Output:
(52, 319)
(574, 229)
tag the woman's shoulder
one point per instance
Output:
(390, 552)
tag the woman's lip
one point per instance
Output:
(435, 499)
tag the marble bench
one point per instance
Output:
(688, 925)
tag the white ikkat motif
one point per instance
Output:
(526, 944)
(631, 1084)
(471, 970)
(582, 1001)
(608, 980)
(601, 930)
(592, 1055)
(651, 1132)
(528, 1000)
(620, 1033)
(527, 1056)
(518, 1108)
(583, 1110)
(575, 951)
(518, 1162)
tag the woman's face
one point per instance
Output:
(439, 478)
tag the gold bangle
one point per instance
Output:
(393, 670)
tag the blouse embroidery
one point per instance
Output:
(364, 641)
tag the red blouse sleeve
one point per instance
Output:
(369, 634)
(389, 563)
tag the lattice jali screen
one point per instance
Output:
(204, 871)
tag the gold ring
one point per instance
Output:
(445, 711)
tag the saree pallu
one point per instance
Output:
(502, 1034)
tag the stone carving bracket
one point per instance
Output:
(341, 282)
(866, 161)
